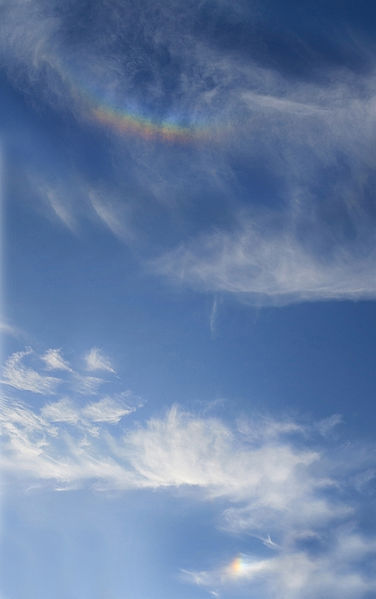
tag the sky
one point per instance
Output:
(188, 299)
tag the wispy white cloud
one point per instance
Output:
(86, 385)
(293, 493)
(213, 316)
(265, 266)
(326, 426)
(282, 104)
(24, 378)
(21, 375)
(302, 130)
(12, 331)
(55, 361)
(111, 215)
(59, 207)
(166, 455)
(97, 360)
(290, 573)
(108, 410)
(63, 410)
(265, 428)
(184, 450)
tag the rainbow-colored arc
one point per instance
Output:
(124, 122)
(128, 120)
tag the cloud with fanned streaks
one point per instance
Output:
(278, 481)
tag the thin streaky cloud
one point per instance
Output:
(263, 268)
(55, 361)
(12, 331)
(19, 376)
(60, 208)
(107, 410)
(86, 385)
(265, 102)
(213, 316)
(63, 410)
(25, 370)
(326, 426)
(111, 216)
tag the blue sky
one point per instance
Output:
(188, 304)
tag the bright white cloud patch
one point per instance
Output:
(288, 489)
(277, 480)
(97, 360)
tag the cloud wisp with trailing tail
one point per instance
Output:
(263, 267)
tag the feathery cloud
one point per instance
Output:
(108, 410)
(286, 488)
(55, 361)
(19, 376)
(97, 360)
(276, 267)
